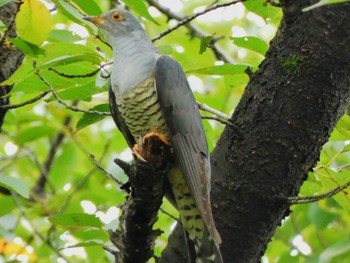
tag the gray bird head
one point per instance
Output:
(117, 23)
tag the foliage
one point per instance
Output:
(70, 216)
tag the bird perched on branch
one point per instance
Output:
(149, 97)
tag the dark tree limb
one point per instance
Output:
(10, 57)
(286, 114)
(135, 238)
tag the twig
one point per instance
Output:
(93, 159)
(87, 75)
(215, 118)
(14, 106)
(315, 198)
(39, 188)
(82, 181)
(206, 108)
(99, 166)
(104, 42)
(170, 215)
(192, 17)
(35, 231)
(219, 53)
(72, 108)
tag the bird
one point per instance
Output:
(149, 96)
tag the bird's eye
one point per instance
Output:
(117, 16)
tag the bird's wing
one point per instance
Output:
(181, 114)
(119, 121)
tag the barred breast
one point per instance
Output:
(141, 111)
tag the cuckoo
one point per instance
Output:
(149, 96)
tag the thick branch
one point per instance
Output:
(10, 57)
(136, 238)
(286, 114)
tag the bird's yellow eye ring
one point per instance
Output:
(117, 16)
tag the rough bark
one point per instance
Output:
(10, 57)
(135, 238)
(286, 114)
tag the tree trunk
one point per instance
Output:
(286, 114)
(10, 57)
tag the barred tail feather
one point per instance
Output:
(206, 250)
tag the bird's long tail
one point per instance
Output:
(205, 249)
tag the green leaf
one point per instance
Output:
(27, 48)
(33, 133)
(7, 204)
(262, 8)
(88, 7)
(33, 22)
(54, 51)
(89, 119)
(2, 25)
(76, 219)
(320, 217)
(64, 164)
(335, 250)
(68, 10)
(82, 92)
(226, 69)
(166, 49)
(236, 80)
(251, 43)
(65, 60)
(4, 2)
(91, 243)
(63, 35)
(140, 8)
(16, 185)
(205, 41)
(321, 3)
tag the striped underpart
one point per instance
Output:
(141, 112)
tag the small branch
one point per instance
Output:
(93, 159)
(219, 53)
(170, 215)
(39, 188)
(135, 239)
(310, 199)
(35, 99)
(35, 231)
(99, 166)
(104, 42)
(217, 113)
(87, 75)
(192, 17)
(72, 108)
(223, 121)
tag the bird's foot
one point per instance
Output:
(137, 152)
(159, 136)
(153, 148)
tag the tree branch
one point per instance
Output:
(311, 199)
(10, 57)
(136, 238)
(285, 115)
(220, 54)
(39, 189)
(72, 108)
(31, 101)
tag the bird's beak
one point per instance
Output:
(94, 19)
